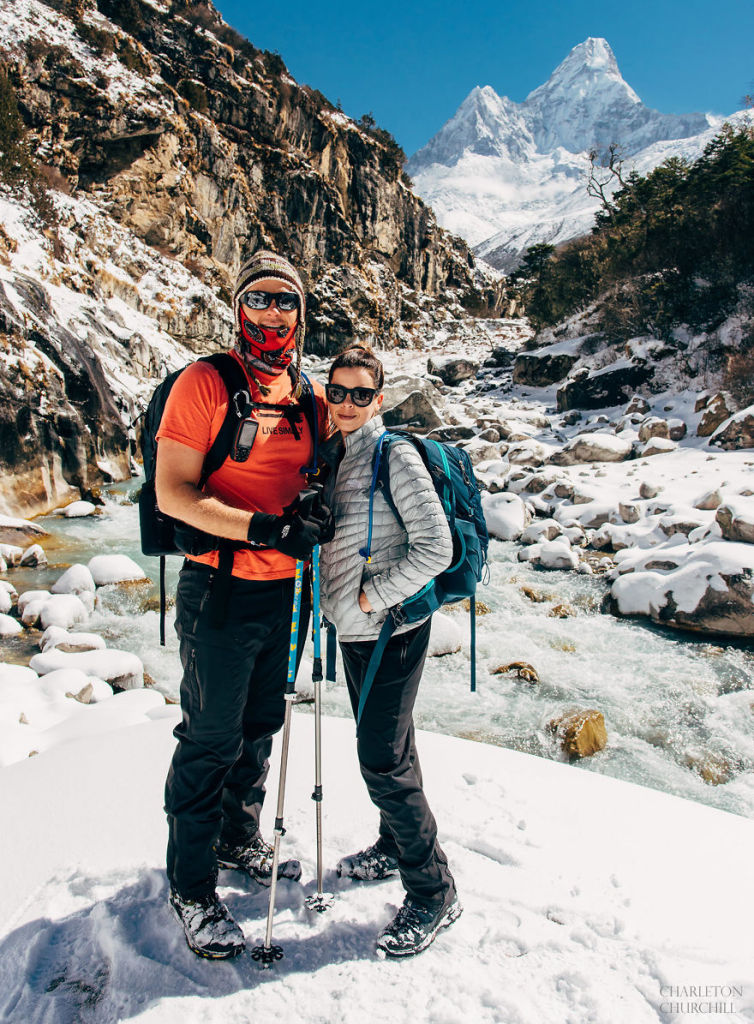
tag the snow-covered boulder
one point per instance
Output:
(79, 509)
(33, 556)
(75, 580)
(107, 569)
(707, 587)
(6, 602)
(452, 369)
(541, 529)
(415, 410)
(9, 626)
(736, 519)
(737, 432)
(30, 605)
(653, 426)
(527, 453)
(550, 554)
(597, 447)
(13, 530)
(121, 669)
(709, 501)
(445, 636)
(657, 446)
(72, 681)
(480, 450)
(505, 514)
(11, 553)
(71, 643)
(717, 409)
(64, 610)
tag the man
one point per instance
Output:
(233, 618)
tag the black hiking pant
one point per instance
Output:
(390, 764)
(232, 702)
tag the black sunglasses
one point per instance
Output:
(336, 394)
(286, 302)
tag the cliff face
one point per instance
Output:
(175, 149)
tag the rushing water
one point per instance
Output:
(677, 709)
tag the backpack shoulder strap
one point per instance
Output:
(235, 383)
(309, 405)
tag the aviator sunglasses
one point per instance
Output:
(336, 394)
(286, 302)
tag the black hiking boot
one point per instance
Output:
(255, 857)
(369, 865)
(415, 925)
(210, 930)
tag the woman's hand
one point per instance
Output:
(364, 603)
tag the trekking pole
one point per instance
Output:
(319, 901)
(268, 954)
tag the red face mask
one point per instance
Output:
(271, 346)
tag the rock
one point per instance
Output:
(708, 501)
(490, 434)
(628, 512)
(535, 595)
(527, 453)
(561, 611)
(505, 514)
(653, 427)
(602, 389)
(595, 447)
(12, 530)
(542, 529)
(75, 580)
(479, 450)
(522, 669)
(500, 357)
(33, 556)
(678, 429)
(637, 405)
(564, 489)
(649, 490)
(6, 602)
(452, 433)
(71, 643)
(63, 610)
(580, 733)
(738, 433)
(541, 370)
(9, 626)
(445, 636)
(552, 554)
(11, 554)
(452, 369)
(712, 768)
(675, 524)
(716, 411)
(415, 412)
(123, 670)
(736, 520)
(85, 694)
(79, 509)
(107, 569)
(710, 590)
(657, 446)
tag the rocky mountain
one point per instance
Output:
(505, 175)
(165, 149)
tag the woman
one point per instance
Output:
(356, 594)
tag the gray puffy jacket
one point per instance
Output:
(405, 555)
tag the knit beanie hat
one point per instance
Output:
(266, 265)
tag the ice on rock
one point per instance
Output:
(9, 626)
(445, 636)
(107, 569)
(505, 514)
(119, 668)
(75, 580)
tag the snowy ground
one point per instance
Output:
(586, 899)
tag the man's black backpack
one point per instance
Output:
(161, 534)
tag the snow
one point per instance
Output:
(80, 508)
(107, 569)
(584, 898)
(110, 664)
(505, 514)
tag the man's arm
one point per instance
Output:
(179, 468)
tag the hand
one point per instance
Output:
(364, 603)
(291, 533)
(327, 522)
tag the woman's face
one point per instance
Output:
(346, 416)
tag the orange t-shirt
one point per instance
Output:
(270, 478)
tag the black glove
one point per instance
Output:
(290, 533)
(325, 518)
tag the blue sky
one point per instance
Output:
(411, 65)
